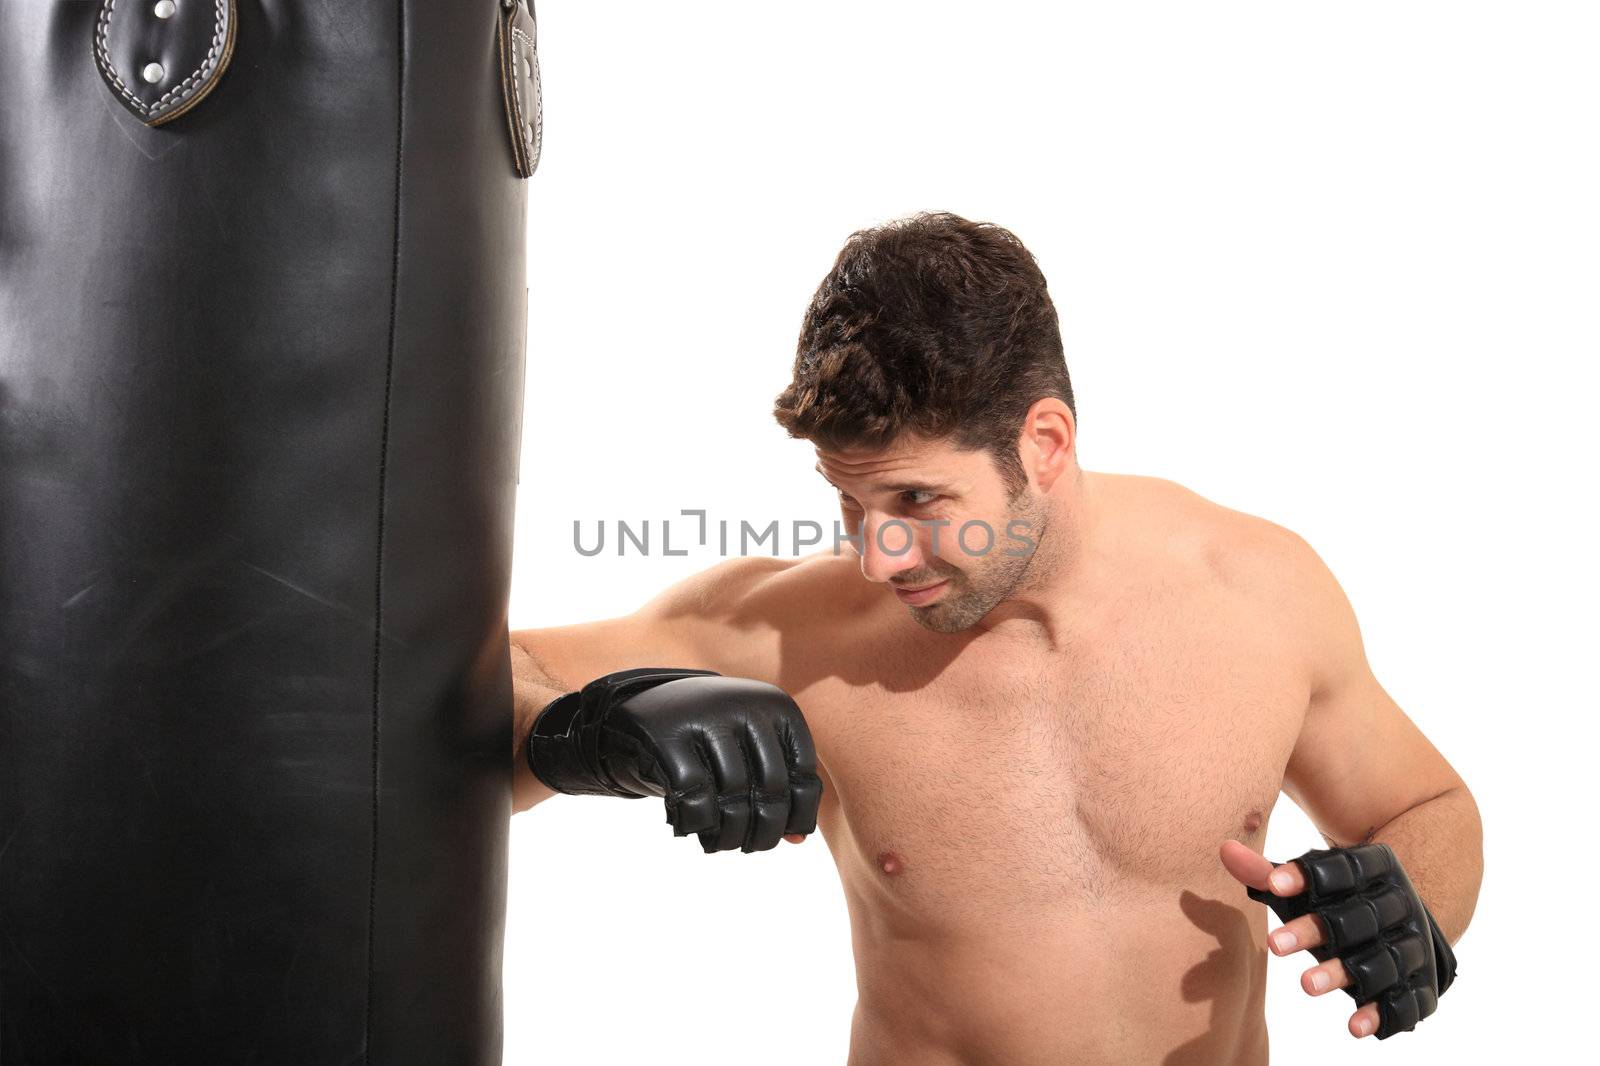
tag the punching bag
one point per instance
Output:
(262, 314)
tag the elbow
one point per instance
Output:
(1466, 854)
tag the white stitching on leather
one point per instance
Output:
(531, 148)
(183, 88)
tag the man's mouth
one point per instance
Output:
(921, 594)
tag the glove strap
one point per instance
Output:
(555, 750)
(1444, 957)
(564, 744)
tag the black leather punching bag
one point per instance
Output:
(262, 309)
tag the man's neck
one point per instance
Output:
(1062, 579)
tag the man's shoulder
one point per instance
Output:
(786, 592)
(1262, 576)
(1235, 548)
(753, 594)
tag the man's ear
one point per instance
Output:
(1049, 441)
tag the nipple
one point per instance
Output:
(1252, 821)
(890, 863)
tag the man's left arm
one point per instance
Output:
(1365, 775)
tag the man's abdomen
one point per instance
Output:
(1157, 976)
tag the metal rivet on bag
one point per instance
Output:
(165, 9)
(153, 72)
(530, 133)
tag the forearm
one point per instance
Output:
(1440, 843)
(533, 689)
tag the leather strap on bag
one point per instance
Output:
(519, 83)
(161, 57)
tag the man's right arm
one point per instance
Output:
(705, 622)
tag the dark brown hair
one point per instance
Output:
(932, 325)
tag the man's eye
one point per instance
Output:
(918, 498)
(846, 501)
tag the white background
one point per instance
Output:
(1336, 265)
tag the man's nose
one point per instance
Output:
(888, 547)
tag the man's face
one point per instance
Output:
(938, 524)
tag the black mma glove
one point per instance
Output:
(1377, 926)
(732, 757)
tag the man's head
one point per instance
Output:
(931, 356)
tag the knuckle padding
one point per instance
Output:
(1371, 971)
(806, 790)
(1361, 918)
(1390, 907)
(1427, 1001)
(1413, 955)
(1399, 1011)
(1348, 923)
(1328, 876)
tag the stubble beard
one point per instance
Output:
(975, 590)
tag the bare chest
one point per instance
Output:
(1007, 781)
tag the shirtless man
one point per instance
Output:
(1048, 767)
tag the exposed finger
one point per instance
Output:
(1248, 866)
(795, 838)
(1324, 977)
(1364, 1022)
(1287, 880)
(1297, 934)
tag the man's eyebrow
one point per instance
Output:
(910, 486)
(898, 486)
